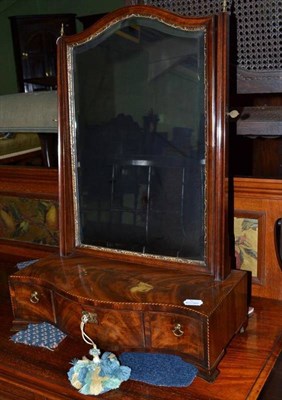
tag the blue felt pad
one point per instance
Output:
(159, 369)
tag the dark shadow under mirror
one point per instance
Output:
(139, 139)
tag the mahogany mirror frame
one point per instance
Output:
(217, 251)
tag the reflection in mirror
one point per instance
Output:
(139, 139)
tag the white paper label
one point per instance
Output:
(192, 302)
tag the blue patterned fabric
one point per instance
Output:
(40, 335)
(159, 369)
(24, 264)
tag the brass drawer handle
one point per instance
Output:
(89, 317)
(177, 330)
(34, 298)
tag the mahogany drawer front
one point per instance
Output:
(113, 329)
(177, 333)
(32, 302)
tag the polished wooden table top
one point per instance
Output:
(35, 373)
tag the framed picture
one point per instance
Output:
(249, 231)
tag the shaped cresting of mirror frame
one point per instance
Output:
(143, 140)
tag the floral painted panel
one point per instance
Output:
(246, 244)
(29, 220)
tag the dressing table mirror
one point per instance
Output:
(143, 191)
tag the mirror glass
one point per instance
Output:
(138, 142)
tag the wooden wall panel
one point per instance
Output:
(253, 198)
(29, 183)
(263, 198)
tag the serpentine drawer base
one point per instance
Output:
(134, 307)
